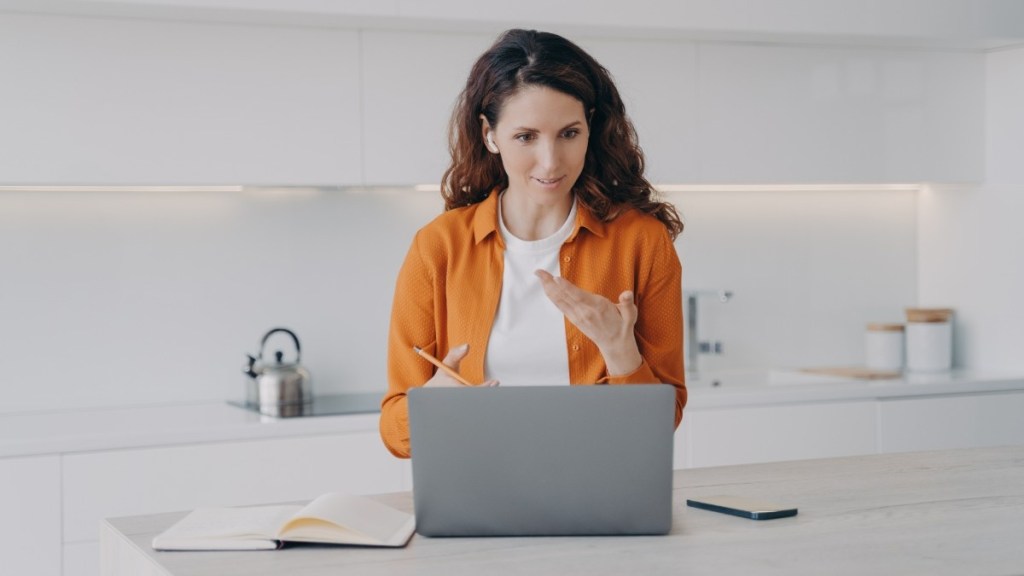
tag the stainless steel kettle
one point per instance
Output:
(279, 388)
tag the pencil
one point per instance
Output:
(442, 366)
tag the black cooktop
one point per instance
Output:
(326, 405)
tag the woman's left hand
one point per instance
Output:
(608, 324)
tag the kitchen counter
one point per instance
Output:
(71, 431)
(879, 514)
(726, 389)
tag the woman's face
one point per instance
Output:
(542, 138)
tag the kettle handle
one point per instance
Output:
(298, 349)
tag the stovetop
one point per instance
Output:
(325, 405)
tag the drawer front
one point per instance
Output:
(967, 421)
(82, 559)
(744, 435)
(145, 481)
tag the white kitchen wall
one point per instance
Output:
(971, 237)
(807, 270)
(121, 298)
(125, 298)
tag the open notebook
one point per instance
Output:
(330, 519)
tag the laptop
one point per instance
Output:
(542, 460)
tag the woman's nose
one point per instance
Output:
(548, 155)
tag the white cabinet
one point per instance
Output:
(30, 515)
(723, 436)
(962, 421)
(826, 114)
(410, 81)
(82, 559)
(658, 84)
(130, 101)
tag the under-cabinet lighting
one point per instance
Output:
(754, 187)
(121, 188)
(786, 187)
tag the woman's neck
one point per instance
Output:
(528, 220)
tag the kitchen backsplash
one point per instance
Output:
(117, 298)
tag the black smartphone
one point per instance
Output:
(742, 507)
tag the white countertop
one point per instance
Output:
(764, 387)
(84, 430)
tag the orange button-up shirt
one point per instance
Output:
(449, 286)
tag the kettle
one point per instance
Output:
(279, 388)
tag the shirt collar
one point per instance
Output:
(485, 220)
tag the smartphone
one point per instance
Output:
(742, 507)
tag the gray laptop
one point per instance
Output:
(542, 461)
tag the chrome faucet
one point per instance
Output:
(694, 345)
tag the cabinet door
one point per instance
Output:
(680, 445)
(967, 421)
(130, 101)
(813, 114)
(658, 84)
(82, 559)
(145, 481)
(30, 515)
(774, 433)
(410, 83)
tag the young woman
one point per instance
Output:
(552, 263)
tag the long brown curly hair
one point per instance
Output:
(613, 172)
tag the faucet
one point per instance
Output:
(694, 345)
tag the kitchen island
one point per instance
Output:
(941, 512)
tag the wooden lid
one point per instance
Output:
(884, 327)
(929, 314)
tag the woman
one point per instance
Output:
(551, 262)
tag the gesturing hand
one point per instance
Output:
(608, 324)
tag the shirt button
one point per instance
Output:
(575, 347)
(566, 259)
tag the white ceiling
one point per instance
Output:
(954, 24)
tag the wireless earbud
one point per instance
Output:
(490, 143)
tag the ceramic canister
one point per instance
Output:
(883, 347)
(929, 339)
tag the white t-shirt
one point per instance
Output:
(527, 343)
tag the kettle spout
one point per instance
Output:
(247, 368)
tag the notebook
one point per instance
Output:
(542, 460)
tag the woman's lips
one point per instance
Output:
(549, 182)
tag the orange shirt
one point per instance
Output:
(448, 290)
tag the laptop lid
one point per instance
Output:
(542, 461)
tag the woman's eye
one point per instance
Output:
(570, 134)
(524, 137)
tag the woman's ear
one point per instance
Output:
(488, 134)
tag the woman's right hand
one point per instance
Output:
(441, 379)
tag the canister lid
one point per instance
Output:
(884, 327)
(929, 314)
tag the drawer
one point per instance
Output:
(719, 437)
